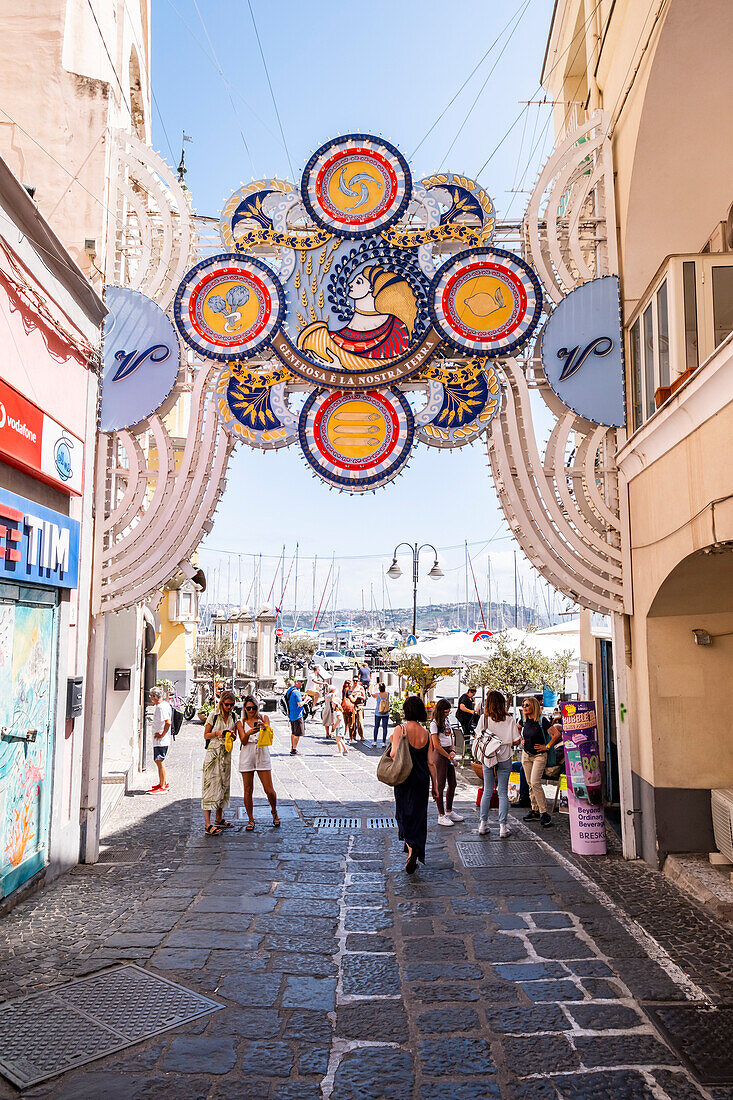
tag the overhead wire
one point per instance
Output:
(225, 82)
(474, 70)
(480, 92)
(269, 84)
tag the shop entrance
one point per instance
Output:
(28, 630)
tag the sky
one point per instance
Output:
(389, 68)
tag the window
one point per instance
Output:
(690, 295)
(722, 303)
(636, 374)
(663, 333)
(649, 405)
(185, 605)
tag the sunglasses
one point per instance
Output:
(228, 705)
(250, 707)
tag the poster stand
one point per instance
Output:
(582, 768)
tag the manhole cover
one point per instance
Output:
(493, 854)
(701, 1036)
(121, 855)
(69, 1025)
(381, 823)
(337, 823)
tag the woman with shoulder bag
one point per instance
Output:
(381, 713)
(255, 733)
(219, 733)
(411, 796)
(534, 759)
(501, 726)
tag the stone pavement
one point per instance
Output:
(343, 979)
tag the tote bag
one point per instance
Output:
(394, 771)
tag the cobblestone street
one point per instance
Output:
(342, 978)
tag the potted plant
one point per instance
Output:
(204, 711)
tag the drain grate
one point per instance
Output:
(337, 823)
(89, 1018)
(700, 1035)
(121, 855)
(381, 823)
(492, 854)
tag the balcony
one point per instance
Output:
(685, 315)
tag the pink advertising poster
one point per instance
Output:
(583, 770)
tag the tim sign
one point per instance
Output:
(36, 544)
(34, 441)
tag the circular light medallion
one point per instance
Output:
(357, 441)
(228, 308)
(356, 185)
(486, 301)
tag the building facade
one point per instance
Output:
(49, 351)
(660, 72)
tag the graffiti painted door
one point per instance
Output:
(27, 675)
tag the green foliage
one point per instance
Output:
(511, 669)
(166, 686)
(298, 646)
(561, 666)
(396, 703)
(419, 678)
(205, 710)
(212, 656)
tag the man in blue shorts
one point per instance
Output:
(161, 727)
(294, 700)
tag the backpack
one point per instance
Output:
(383, 705)
(176, 721)
(283, 702)
(486, 748)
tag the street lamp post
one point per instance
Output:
(394, 571)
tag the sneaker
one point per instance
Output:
(154, 789)
(166, 787)
(483, 828)
(504, 831)
(454, 816)
(443, 819)
(546, 821)
(294, 752)
(531, 816)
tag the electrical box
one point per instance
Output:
(74, 691)
(122, 679)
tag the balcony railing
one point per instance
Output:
(684, 316)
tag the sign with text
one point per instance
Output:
(582, 352)
(583, 770)
(141, 358)
(37, 545)
(35, 442)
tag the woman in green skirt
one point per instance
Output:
(220, 732)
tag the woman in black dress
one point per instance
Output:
(411, 797)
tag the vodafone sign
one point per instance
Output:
(34, 441)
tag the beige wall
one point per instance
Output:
(65, 84)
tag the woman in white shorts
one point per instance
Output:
(255, 758)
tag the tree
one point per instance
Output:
(561, 665)
(511, 669)
(212, 656)
(419, 676)
(298, 646)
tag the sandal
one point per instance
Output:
(249, 827)
(212, 830)
(224, 824)
(275, 821)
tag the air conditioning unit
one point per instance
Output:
(721, 804)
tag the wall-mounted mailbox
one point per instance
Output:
(74, 688)
(122, 679)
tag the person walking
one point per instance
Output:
(315, 684)
(328, 715)
(347, 705)
(255, 757)
(219, 732)
(442, 764)
(339, 726)
(499, 724)
(294, 703)
(411, 796)
(365, 676)
(161, 727)
(358, 697)
(381, 713)
(534, 758)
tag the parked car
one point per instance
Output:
(332, 661)
(356, 656)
